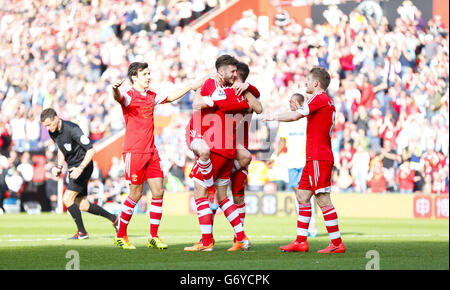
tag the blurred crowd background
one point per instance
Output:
(389, 83)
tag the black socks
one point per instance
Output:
(75, 212)
(97, 210)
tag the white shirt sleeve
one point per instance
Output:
(160, 99)
(218, 94)
(208, 100)
(126, 99)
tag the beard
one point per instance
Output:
(228, 81)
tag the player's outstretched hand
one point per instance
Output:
(218, 77)
(115, 89)
(117, 84)
(75, 172)
(240, 88)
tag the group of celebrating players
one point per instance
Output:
(218, 135)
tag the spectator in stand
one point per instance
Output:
(439, 185)
(97, 130)
(390, 160)
(25, 167)
(113, 192)
(3, 187)
(96, 192)
(184, 8)
(361, 140)
(377, 182)
(18, 131)
(428, 186)
(65, 56)
(405, 178)
(32, 131)
(198, 8)
(211, 4)
(5, 138)
(344, 178)
(14, 183)
(117, 169)
(360, 168)
(361, 118)
(51, 182)
(346, 154)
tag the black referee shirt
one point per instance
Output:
(72, 143)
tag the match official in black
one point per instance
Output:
(76, 149)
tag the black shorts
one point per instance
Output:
(80, 184)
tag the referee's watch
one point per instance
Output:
(81, 166)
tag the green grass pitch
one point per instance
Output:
(32, 242)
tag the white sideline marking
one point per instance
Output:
(20, 238)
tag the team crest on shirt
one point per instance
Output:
(146, 111)
(68, 147)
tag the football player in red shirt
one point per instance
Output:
(243, 156)
(142, 162)
(241, 116)
(320, 111)
(206, 101)
(239, 173)
(212, 130)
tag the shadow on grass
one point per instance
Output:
(411, 255)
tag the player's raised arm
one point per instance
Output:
(177, 94)
(297, 112)
(196, 85)
(116, 93)
(289, 116)
(201, 102)
(255, 105)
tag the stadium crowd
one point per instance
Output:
(389, 83)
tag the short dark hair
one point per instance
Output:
(322, 75)
(300, 98)
(48, 113)
(224, 60)
(136, 67)
(243, 70)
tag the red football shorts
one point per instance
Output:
(140, 167)
(316, 176)
(221, 168)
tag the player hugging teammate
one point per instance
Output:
(212, 134)
(218, 134)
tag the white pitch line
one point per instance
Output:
(19, 238)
